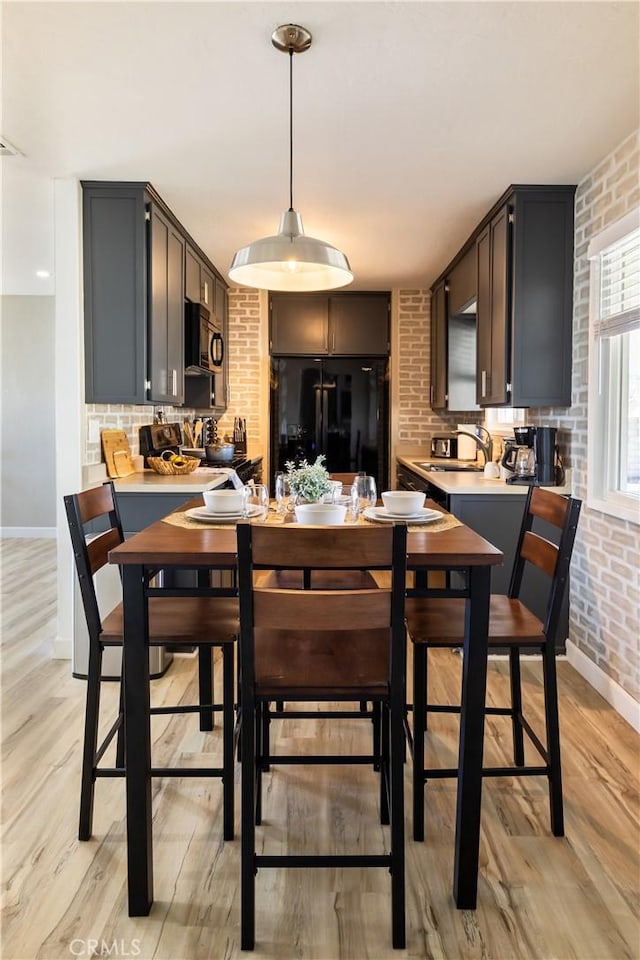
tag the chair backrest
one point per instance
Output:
(552, 559)
(96, 504)
(311, 613)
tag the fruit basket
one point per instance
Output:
(171, 468)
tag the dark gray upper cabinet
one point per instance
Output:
(525, 299)
(349, 324)
(453, 337)
(115, 294)
(493, 331)
(439, 347)
(139, 265)
(192, 282)
(166, 309)
(523, 253)
(299, 323)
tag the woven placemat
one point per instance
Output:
(447, 522)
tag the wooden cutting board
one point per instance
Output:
(117, 453)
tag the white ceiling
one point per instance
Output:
(411, 118)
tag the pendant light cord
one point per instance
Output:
(290, 128)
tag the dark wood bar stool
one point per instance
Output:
(206, 622)
(439, 622)
(322, 645)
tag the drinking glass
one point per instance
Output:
(256, 495)
(283, 493)
(364, 491)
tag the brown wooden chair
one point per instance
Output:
(439, 622)
(322, 645)
(205, 622)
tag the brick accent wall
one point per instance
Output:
(605, 585)
(245, 364)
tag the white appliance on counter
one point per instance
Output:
(108, 592)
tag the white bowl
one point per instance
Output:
(322, 514)
(403, 503)
(223, 501)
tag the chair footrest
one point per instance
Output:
(320, 758)
(186, 772)
(320, 714)
(188, 708)
(443, 773)
(329, 860)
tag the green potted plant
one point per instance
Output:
(308, 481)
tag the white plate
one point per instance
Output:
(201, 513)
(382, 514)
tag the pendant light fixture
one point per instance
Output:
(290, 261)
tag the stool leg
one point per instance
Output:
(385, 764)
(228, 723)
(248, 830)
(120, 733)
(516, 707)
(553, 740)
(205, 685)
(419, 712)
(259, 751)
(398, 905)
(375, 720)
(90, 745)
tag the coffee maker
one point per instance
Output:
(549, 472)
(519, 456)
(533, 457)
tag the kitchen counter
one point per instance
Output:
(468, 481)
(148, 481)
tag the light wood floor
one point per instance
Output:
(539, 897)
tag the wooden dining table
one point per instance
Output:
(170, 547)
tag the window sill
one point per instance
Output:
(624, 509)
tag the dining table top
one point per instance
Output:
(216, 546)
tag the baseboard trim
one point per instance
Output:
(621, 701)
(46, 533)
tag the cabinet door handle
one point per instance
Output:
(483, 388)
(174, 383)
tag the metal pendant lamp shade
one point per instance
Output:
(290, 261)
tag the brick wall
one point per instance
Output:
(246, 364)
(605, 589)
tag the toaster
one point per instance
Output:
(445, 445)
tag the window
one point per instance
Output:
(613, 476)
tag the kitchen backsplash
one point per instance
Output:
(123, 417)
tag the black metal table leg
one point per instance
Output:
(137, 742)
(474, 682)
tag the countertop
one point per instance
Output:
(148, 481)
(469, 481)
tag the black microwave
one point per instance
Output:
(203, 343)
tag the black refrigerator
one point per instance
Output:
(338, 406)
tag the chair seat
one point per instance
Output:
(188, 620)
(322, 663)
(320, 580)
(440, 622)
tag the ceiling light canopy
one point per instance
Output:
(290, 261)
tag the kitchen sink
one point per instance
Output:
(450, 467)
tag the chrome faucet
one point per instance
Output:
(486, 447)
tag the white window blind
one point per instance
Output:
(618, 279)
